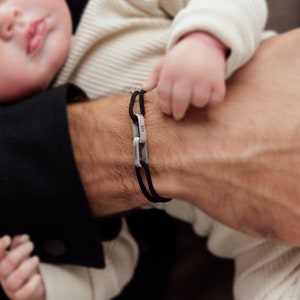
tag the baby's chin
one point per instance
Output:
(20, 95)
(10, 98)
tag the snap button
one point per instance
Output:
(55, 247)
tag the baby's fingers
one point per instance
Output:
(18, 240)
(218, 93)
(181, 97)
(32, 290)
(21, 275)
(152, 80)
(201, 95)
(5, 242)
(204, 94)
(14, 257)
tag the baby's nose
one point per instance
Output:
(7, 21)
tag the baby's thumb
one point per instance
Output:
(152, 80)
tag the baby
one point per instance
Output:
(189, 48)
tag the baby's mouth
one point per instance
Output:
(35, 35)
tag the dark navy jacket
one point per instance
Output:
(40, 189)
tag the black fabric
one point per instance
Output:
(155, 233)
(39, 184)
(174, 263)
(76, 8)
(196, 273)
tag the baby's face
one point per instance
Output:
(35, 37)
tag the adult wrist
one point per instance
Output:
(139, 147)
(101, 138)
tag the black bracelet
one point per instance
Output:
(140, 148)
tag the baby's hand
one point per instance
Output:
(192, 72)
(19, 273)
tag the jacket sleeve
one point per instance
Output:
(73, 282)
(238, 24)
(40, 189)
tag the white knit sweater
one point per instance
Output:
(116, 46)
(119, 41)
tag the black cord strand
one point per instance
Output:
(151, 195)
(131, 105)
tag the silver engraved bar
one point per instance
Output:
(136, 151)
(139, 129)
(142, 128)
(144, 152)
(139, 140)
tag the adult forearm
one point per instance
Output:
(238, 162)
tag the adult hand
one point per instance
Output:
(239, 162)
(246, 167)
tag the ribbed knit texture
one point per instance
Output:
(268, 272)
(119, 42)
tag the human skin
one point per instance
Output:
(183, 80)
(239, 162)
(30, 32)
(19, 274)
